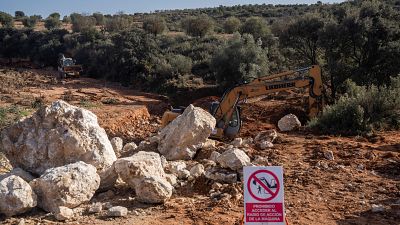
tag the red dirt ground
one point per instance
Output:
(317, 191)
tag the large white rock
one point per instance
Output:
(181, 138)
(234, 159)
(57, 135)
(289, 123)
(67, 186)
(135, 168)
(144, 172)
(16, 196)
(153, 190)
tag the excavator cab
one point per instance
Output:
(234, 124)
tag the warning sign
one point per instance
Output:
(263, 195)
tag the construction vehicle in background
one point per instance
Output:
(68, 68)
(227, 110)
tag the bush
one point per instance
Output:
(240, 61)
(362, 110)
(255, 26)
(52, 22)
(82, 23)
(198, 26)
(154, 25)
(6, 19)
(31, 21)
(118, 23)
(180, 64)
(231, 25)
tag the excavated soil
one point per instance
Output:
(317, 190)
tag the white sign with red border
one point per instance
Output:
(263, 195)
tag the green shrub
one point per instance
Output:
(241, 60)
(155, 25)
(232, 25)
(180, 64)
(362, 109)
(198, 26)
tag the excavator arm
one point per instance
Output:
(226, 112)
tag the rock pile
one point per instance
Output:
(57, 135)
(144, 172)
(62, 157)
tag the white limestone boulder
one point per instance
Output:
(181, 138)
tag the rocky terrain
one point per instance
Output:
(85, 151)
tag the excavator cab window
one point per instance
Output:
(235, 119)
(234, 125)
(68, 62)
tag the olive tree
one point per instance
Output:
(241, 60)
(154, 25)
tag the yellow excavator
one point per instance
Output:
(227, 110)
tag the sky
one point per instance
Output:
(66, 7)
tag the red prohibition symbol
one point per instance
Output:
(263, 185)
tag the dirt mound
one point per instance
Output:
(130, 122)
(205, 103)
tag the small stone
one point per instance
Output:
(209, 144)
(176, 167)
(268, 135)
(63, 213)
(329, 155)
(21, 222)
(117, 211)
(377, 208)
(234, 159)
(197, 170)
(107, 205)
(216, 186)
(78, 211)
(265, 145)
(171, 178)
(184, 174)
(129, 147)
(96, 208)
(221, 175)
(237, 142)
(289, 123)
(360, 167)
(261, 161)
(214, 155)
